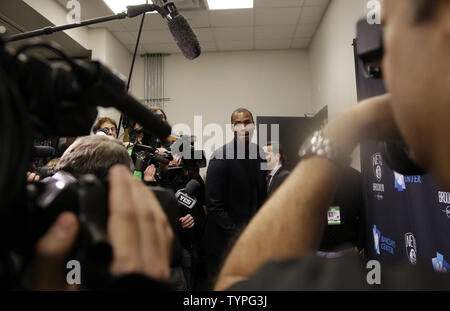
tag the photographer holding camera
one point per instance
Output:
(46, 224)
(93, 155)
(138, 228)
(138, 231)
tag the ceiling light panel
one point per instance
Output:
(230, 4)
(119, 6)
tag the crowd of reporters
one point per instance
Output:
(158, 167)
(151, 161)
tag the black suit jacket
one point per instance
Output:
(277, 180)
(235, 190)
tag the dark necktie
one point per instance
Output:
(269, 178)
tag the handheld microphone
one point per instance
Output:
(186, 196)
(192, 188)
(182, 33)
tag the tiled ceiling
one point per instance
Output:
(270, 25)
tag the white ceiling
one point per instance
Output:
(270, 25)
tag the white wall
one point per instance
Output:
(107, 49)
(332, 58)
(97, 43)
(268, 83)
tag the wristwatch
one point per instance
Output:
(318, 145)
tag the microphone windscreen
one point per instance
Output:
(192, 187)
(185, 37)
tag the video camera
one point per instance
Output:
(42, 99)
(172, 177)
(165, 176)
(86, 196)
(370, 51)
(184, 148)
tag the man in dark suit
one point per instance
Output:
(275, 161)
(235, 189)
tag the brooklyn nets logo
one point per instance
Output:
(447, 211)
(411, 248)
(377, 164)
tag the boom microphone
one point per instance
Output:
(182, 32)
(135, 10)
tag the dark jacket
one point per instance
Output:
(190, 238)
(277, 180)
(235, 190)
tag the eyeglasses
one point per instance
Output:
(112, 129)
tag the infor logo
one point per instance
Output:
(376, 239)
(399, 182)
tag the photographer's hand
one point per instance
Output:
(161, 150)
(187, 221)
(176, 161)
(149, 173)
(138, 229)
(52, 253)
(32, 177)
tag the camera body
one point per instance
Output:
(87, 197)
(173, 177)
(165, 176)
(184, 148)
(370, 51)
(144, 156)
